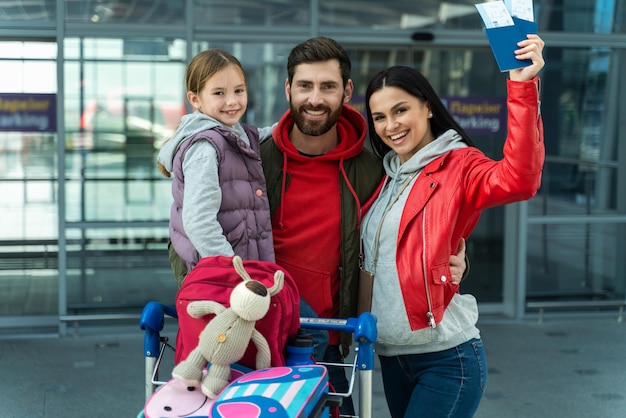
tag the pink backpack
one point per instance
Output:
(214, 278)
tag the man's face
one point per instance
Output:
(316, 96)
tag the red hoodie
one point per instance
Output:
(306, 226)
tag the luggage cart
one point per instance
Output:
(363, 329)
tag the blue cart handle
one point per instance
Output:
(152, 322)
(363, 328)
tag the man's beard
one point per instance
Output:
(315, 128)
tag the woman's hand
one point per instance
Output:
(530, 49)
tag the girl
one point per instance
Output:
(220, 202)
(432, 359)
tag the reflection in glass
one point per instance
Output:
(577, 187)
(119, 110)
(455, 14)
(28, 183)
(580, 174)
(41, 11)
(575, 262)
(267, 13)
(120, 269)
(145, 11)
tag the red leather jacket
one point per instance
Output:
(448, 197)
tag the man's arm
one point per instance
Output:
(459, 264)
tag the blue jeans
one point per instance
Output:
(448, 383)
(320, 336)
(329, 354)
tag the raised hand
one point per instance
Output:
(531, 49)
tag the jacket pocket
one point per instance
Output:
(438, 282)
(440, 274)
(313, 286)
(237, 235)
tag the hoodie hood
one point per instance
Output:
(191, 125)
(447, 141)
(351, 131)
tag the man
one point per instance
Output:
(320, 178)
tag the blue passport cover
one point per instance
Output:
(525, 27)
(503, 42)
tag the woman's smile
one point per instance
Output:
(397, 136)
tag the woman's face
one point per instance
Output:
(401, 120)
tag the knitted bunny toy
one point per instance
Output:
(225, 338)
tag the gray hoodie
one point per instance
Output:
(395, 336)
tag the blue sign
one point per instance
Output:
(478, 115)
(28, 112)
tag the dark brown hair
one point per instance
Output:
(414, 83)
(319, 49)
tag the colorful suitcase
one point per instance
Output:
(276, 392)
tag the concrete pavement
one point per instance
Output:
(574, 367)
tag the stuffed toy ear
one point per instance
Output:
(279, 280)
(238, 264)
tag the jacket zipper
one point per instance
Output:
(429, 314)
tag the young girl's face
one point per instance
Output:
(401, 121)
(224, 96)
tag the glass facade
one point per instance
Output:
(85, 225)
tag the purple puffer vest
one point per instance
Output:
(244, 212)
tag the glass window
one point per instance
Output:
(28, 76)
(567, 15)
(35, 50)
(266, 13)
(580, 16)
(168, 12)
(118, 112)
(28, 158)
(578, 187)
(29, 11)
(390, 15)
(135, 49)
(119, 269)
(580, 174)
(28, 179)
(575, 261)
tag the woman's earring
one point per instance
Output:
(430, 115)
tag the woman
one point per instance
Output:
(432, 359)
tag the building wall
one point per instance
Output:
(86, 212)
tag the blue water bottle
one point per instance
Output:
(299, 349)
